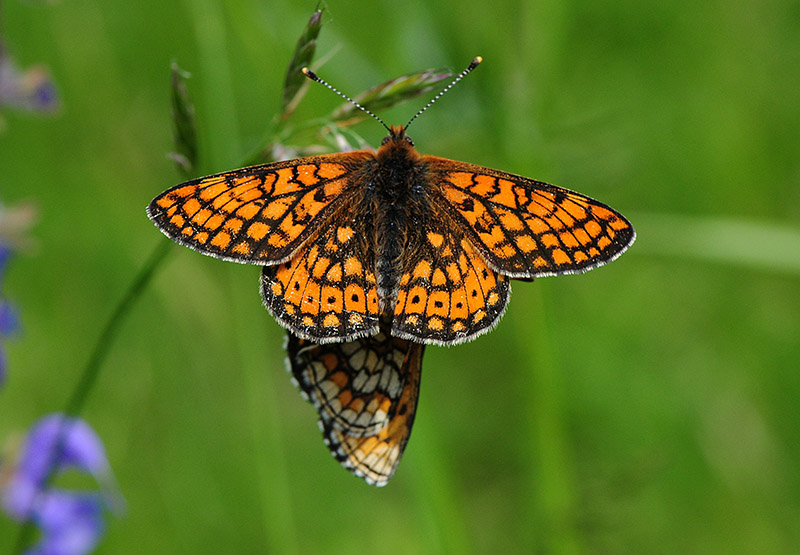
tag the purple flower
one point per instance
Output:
(71, 522)
(30, 90)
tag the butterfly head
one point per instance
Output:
(397, 134)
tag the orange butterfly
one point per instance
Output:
(347, 237)
(367, 256)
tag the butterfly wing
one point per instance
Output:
(327, 291)
(447, 293)
(259, 214)
(527, 228)
(365, 392)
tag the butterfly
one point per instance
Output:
(367, 256)
(365, 392)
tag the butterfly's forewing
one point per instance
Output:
(365, 392)
(447, 293)
(526, 228)
(258, 214)
(327, 291)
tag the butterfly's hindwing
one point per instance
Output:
(365, 392)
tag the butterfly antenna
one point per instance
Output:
(458, 78)
(314, 77)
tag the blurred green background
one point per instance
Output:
(648, 406)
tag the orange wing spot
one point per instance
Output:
(344, 234)
(201, 216)
(276, 240)
(580, 256)
(582, 236)
(177, 220)
(352, 266)
(213, 189)
(569, 239)
(453, 273)
(435, 239)
(494, 238)
(576, 208)
(320, 267)
(277, 288)
(221, 240)
(412, 320)
(526, 243)
(537, 225)
(285, 183)
(505, 196)
(310, 301)
(438, 279)
(617, 224)
(183, 192)
(332, 299)
(172, 209)
(188, 231)
(242, 247)
(191, 207)
(539, 262)
(334, 273)
(329, 171)
(305, 174)
(257, 231)
(201, 237)
(333, 188)
(248, 211)
(479, 315)
(291, 230)
(593, 252)
(214, 222)
(560, 257)
(234, 225)
(355, 319)
(276, 208)
(458, 305)
(458, 326)
(401, 300)
(404, 279)
(308, 321)
(422, 270)
(438, 304)
(493, 298)
(511, 222)
(484, 186)
(593, 228)
(603, 242)
(416, 300)
(461, 179)
(330, 321)
(436, 324)
(372, 300)
(549, 240)
(355, 300)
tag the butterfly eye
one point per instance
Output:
(409, 140)
(386, 139)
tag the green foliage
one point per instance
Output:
(650, 405)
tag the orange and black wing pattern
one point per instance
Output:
(526, 228)
(255, 215)
(365, 392)
(447, 292)
(327, 291)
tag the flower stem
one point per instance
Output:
(92, 369)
